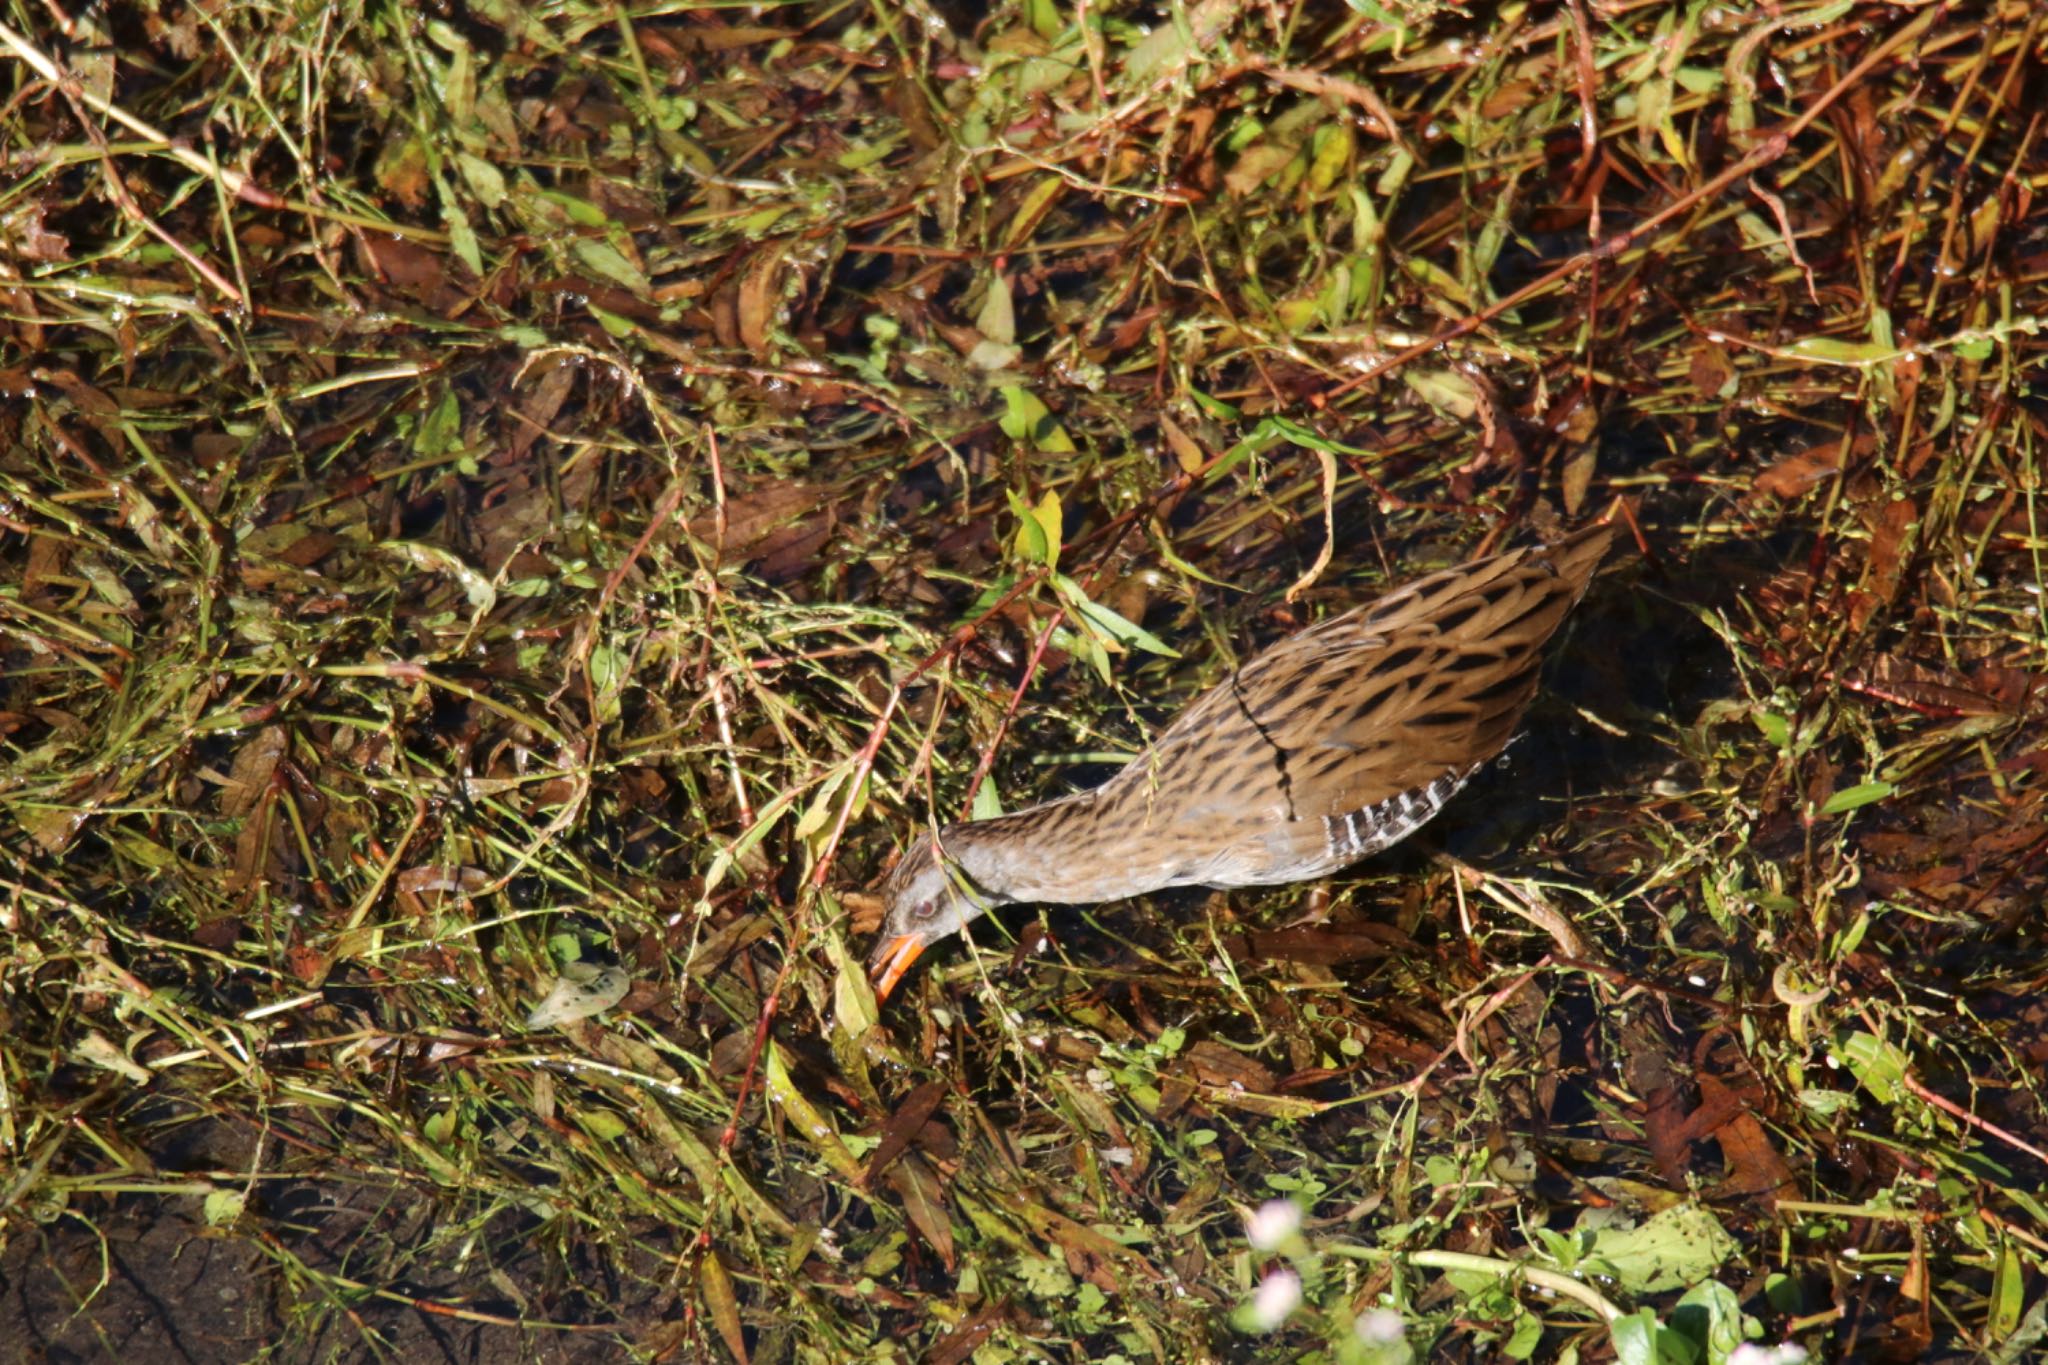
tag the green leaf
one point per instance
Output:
(1086, 645)
(853, 998)
(602, 1124)
(609, 669)
(1027, 419)
(1878, 1066)
(485, 180)
(1525, 1338)
(1116, 627)
(223, 1207)
(867, 154)
(724, 859)
(1826, 1103)
(818, 814)
(441, 430)
(1635, 1338)
(1232, 458)
(988, 802)
(1051, 518)
(608, 262)
(997, 317)
(2008, 1295)
(1038, 528)
(1831, 351)
(613, 324)
(1173, 560)
(1445, 390)
(1331, 147)
(462, 239)
(1214, 407)
(477, 589)
(1710, 1317)
(581, 212)
(808, 1124)
(1862, 794)
(1674, 1249)
(1043, 17)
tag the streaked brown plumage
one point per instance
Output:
(1332, 745)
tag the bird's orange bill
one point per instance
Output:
(892, 960)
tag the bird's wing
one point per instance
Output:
(1388, 699)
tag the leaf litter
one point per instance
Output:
(499, 497)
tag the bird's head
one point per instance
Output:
(928, 898)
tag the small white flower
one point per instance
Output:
(1278, 1295)
(1749, 1353)
(1380, 1327)
(1272, 1223)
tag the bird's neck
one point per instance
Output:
(1054, 853)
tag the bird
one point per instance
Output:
(1335, 743)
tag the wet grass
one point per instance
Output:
(519, 503)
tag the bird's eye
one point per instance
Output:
(924, 910)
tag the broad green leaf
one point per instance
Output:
(1710, 1316)
(2008, 1295)
(1044, 18)
(1774, 727)
(1635, 1338)
(485, 180)
(988, 802)
(441, 430)
(1027, 419)
(1878, 1066)
(818, 814)
(853, 998)
(609, 669)
(223, 1208)
(1674, 1249)
(1524, 1338)
(867, 153)
(997, 318)
(1038, 528)
(607, 261)
(614, 325)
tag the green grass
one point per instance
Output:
(513, 493)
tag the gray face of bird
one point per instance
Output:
(928, 901)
